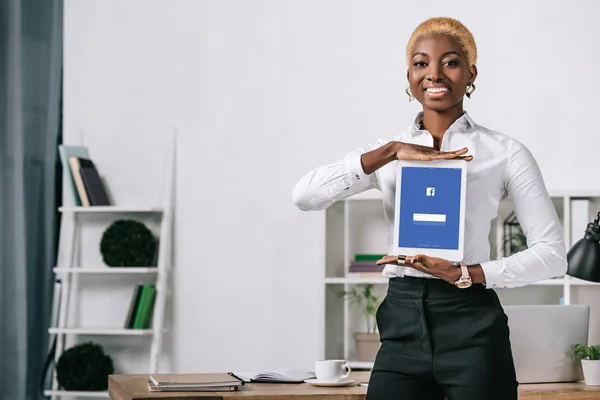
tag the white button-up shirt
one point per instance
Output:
(501, 167)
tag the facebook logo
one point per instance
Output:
(430, 191)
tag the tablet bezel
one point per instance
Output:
(448, 254)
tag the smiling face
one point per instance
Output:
(439, 72)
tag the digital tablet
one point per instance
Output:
(430, 208)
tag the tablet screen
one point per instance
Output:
(430, 208)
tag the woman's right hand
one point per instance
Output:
(373, 160)
(416, 152)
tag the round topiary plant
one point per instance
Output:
(128, 243)
(84, 367)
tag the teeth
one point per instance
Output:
(436, 90)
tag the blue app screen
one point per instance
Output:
(430, 208)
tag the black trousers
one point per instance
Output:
(437, 339)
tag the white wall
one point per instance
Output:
(262, 91)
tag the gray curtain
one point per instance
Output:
(30, 98)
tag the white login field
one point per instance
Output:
(431, 218)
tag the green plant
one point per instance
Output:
(515, 242)
(128, 243)
(362, 295)
(84, 367)
(584, 352)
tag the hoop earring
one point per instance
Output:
(409, 92)
(470, 89)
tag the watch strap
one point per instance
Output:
(464, 271)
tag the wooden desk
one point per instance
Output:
(135, 387)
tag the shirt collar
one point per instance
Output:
(463, 123)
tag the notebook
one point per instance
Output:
(153, 388)
(275, 376)
(194, 383)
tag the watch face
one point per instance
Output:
(463, 284)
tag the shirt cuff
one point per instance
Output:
(493, 273)
(354, 168)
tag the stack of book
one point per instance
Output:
(85, 184)
(364, 265)
(141, 307)
(194, 383)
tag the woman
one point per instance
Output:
(436, 338)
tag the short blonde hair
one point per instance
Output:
(446, 27)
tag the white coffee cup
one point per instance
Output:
(331, 370)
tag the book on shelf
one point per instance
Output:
(79, 185)
(275, 376)
(141, 307)
(49, 367)
(368, 275)
(194, 383)
(364, 266)
(94, 186)
(143, 316)
(85, 184)
(368, 257)
(65, 153)
(133, 305)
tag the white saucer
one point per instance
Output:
(343, 382)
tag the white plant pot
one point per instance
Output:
(591, 372)
(367, 346)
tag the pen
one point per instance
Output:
(237, 377)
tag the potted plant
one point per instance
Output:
(84, 367)
(367, 343)
(514, 238)
(590, 363)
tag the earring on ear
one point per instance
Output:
(409, 92)
(470, 89)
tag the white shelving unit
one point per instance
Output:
(73, 393)
(70, 270)
(357, 225)
(101, 331)
(106, 270)
(111, 209)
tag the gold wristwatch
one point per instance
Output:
(465, 279)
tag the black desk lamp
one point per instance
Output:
(584, 257)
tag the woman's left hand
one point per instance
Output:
(435, 266)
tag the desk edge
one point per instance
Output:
(115, 391)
